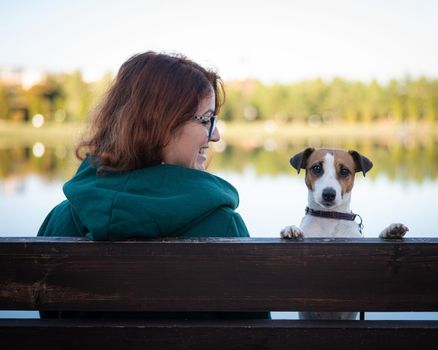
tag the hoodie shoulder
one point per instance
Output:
(60, 222)
(159, 201)
(223, 222)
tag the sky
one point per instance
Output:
(270, 40)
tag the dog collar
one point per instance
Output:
(335, 215)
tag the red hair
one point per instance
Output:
(151, 97)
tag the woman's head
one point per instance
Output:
(148, 115)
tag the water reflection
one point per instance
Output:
(404, 177)
(413, 160)
(49, 162)
(397, 161)
(38, 149)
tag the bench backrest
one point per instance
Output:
(219, 275)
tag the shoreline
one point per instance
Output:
(242, 133)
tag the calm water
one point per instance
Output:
(402, 187)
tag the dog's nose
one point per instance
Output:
(329, 194)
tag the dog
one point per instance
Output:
(329, 178)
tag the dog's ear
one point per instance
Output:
(362, 163)
(298, 161)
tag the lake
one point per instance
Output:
(401, 187)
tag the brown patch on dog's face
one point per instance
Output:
(315, 168)
(345, 170)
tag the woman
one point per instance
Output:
(143, 171)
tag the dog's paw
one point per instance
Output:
(394, 231)
(292, 232)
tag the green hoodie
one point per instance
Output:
(159, 201)
(164, 200)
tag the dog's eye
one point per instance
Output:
(317, 169)
(344, 172)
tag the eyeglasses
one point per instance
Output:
(209, 121)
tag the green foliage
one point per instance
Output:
(337, 100)
(62, 97)
(68, 97)
(4, 103)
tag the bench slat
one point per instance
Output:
(219, 275)
(244, 334)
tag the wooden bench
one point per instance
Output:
(218, 275)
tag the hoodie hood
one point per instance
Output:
(163, 200)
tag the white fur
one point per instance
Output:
(313, 226)
(321, 227)
(328, 179)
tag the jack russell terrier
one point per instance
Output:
(330, 179)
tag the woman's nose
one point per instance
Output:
(215, 137)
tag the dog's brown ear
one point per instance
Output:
(298, 161)
(362, 163)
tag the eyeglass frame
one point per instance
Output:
(208, 118)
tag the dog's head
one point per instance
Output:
(330, 173)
